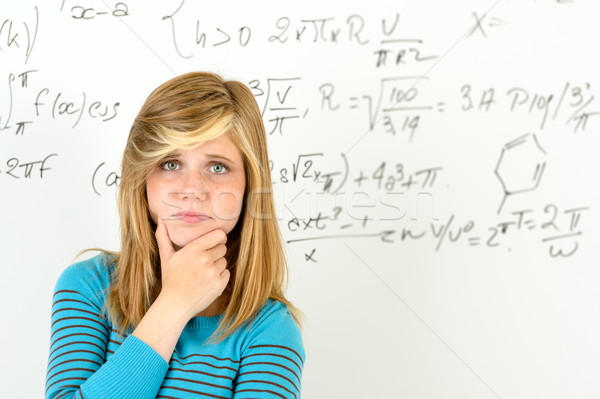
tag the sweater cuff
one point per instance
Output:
(136, 371)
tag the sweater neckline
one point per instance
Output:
(202, 322)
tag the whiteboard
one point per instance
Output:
(433, 167)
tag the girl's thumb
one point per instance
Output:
(165, 246)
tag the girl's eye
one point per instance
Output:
(219, 168)
(170, 165)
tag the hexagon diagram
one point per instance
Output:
(521, 166)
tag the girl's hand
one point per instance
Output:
(194, 276)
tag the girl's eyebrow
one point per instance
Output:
(217, 156)
(176, 154)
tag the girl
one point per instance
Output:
(193, 305)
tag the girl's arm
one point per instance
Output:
(191, 280)
(79, 345)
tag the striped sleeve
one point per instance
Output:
(273, 359)
(77, 366)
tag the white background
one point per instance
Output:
(483, 314)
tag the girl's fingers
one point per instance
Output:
(165, 246)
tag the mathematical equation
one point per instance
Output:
(390, 48)
(17, 169)
(560, 229)
(82, 10)
(401, 103)
(379, 194)
(574, 100)
(281, 99)
(385, 176)
(19, 36)
(49, 102)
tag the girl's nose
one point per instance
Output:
(191, 196)
(193, 187)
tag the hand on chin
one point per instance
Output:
(181, 237)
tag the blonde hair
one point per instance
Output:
(182, 113)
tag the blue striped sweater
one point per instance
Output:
(89, 359)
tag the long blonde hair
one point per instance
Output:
(182, 113)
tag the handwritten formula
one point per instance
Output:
(398, 102)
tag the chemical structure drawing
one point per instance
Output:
(521, 166)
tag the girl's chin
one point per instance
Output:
(180, 242)
(180, 237)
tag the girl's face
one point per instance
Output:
(199, 190)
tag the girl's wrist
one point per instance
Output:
(178, 310)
